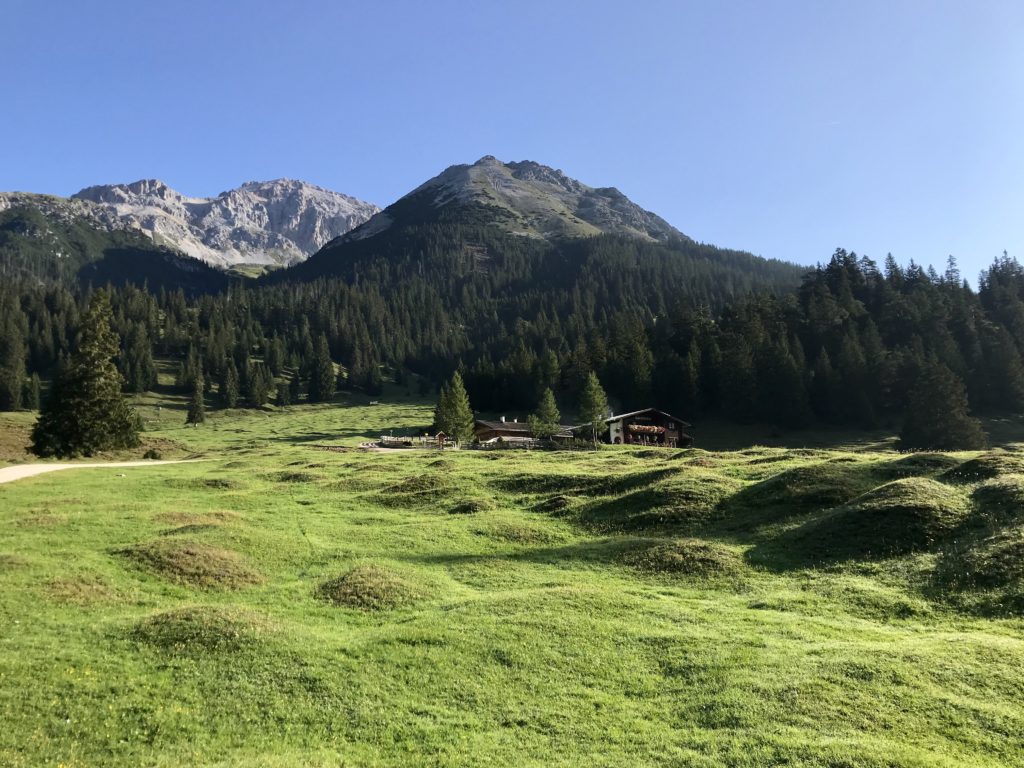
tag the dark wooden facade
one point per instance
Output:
(648, 427)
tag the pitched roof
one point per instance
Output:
(620, 416)
(517, 426)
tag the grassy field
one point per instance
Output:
(278, 605)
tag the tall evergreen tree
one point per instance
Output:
(545, 423)
(937, 416)
(229, 387)
(85, 412)
(284, 394)
(321, 380)
(196, 407)
(30, 398)
(593, 406)
(453, 414)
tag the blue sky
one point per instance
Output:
(784, 128)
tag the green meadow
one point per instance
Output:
(276, 604)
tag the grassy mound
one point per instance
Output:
(1001, 500)
(215, 483)
(41, 520)
(201, 628)
(519, 534)
(534, 483)
(192, 518)
(987, 466)
(417, 489)
(914, 514)
(801, 491)
(80, 590)
(296, 477)
(554, 504)
(473, 506)
(688, 557)
(993, 562)
(919, 464)
(371, 588)
(684, 499)
(193, 563)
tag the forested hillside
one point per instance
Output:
(691, 329)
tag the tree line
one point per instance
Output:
(848, 346)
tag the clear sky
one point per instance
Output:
(784, 128)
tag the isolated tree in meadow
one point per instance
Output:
(85, 411)
(196, 407)
(453, 414)
(321, 379)
(593, 406)
(937, 416)
(544, 424)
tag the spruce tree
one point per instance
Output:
(196, 406)
(85, 412)
(12, 368)
(284, 394)
(937, 415)
(229, 385)
(545, 423)
(30, 398)
(453, 414)
(593, 406)
(321, 381)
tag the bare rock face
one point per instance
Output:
(275, 223)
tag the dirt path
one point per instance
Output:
(20, 471)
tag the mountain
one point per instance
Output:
(273, 223)
(52, 239)
(524, 198)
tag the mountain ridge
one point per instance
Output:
(528, 199)
(275, 223)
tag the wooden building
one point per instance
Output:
(648, 427)
(510, 431)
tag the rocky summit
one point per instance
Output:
(529, 199)
(275, 223)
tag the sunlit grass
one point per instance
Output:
(614, 607)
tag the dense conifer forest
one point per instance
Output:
(692, 329)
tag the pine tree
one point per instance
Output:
(593, 406)
(85, 411)
(12, 368)
(229, 388)
(30, 398)
(295, 388)
(284, 394)
(453, 414)
(937, 415)
(321, 380)
(545, 423)
(196, 406)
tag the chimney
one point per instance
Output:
(515, 420)
(502, 419)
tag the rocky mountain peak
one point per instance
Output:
(277, 222)
(542, 202)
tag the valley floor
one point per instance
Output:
(276, 605)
